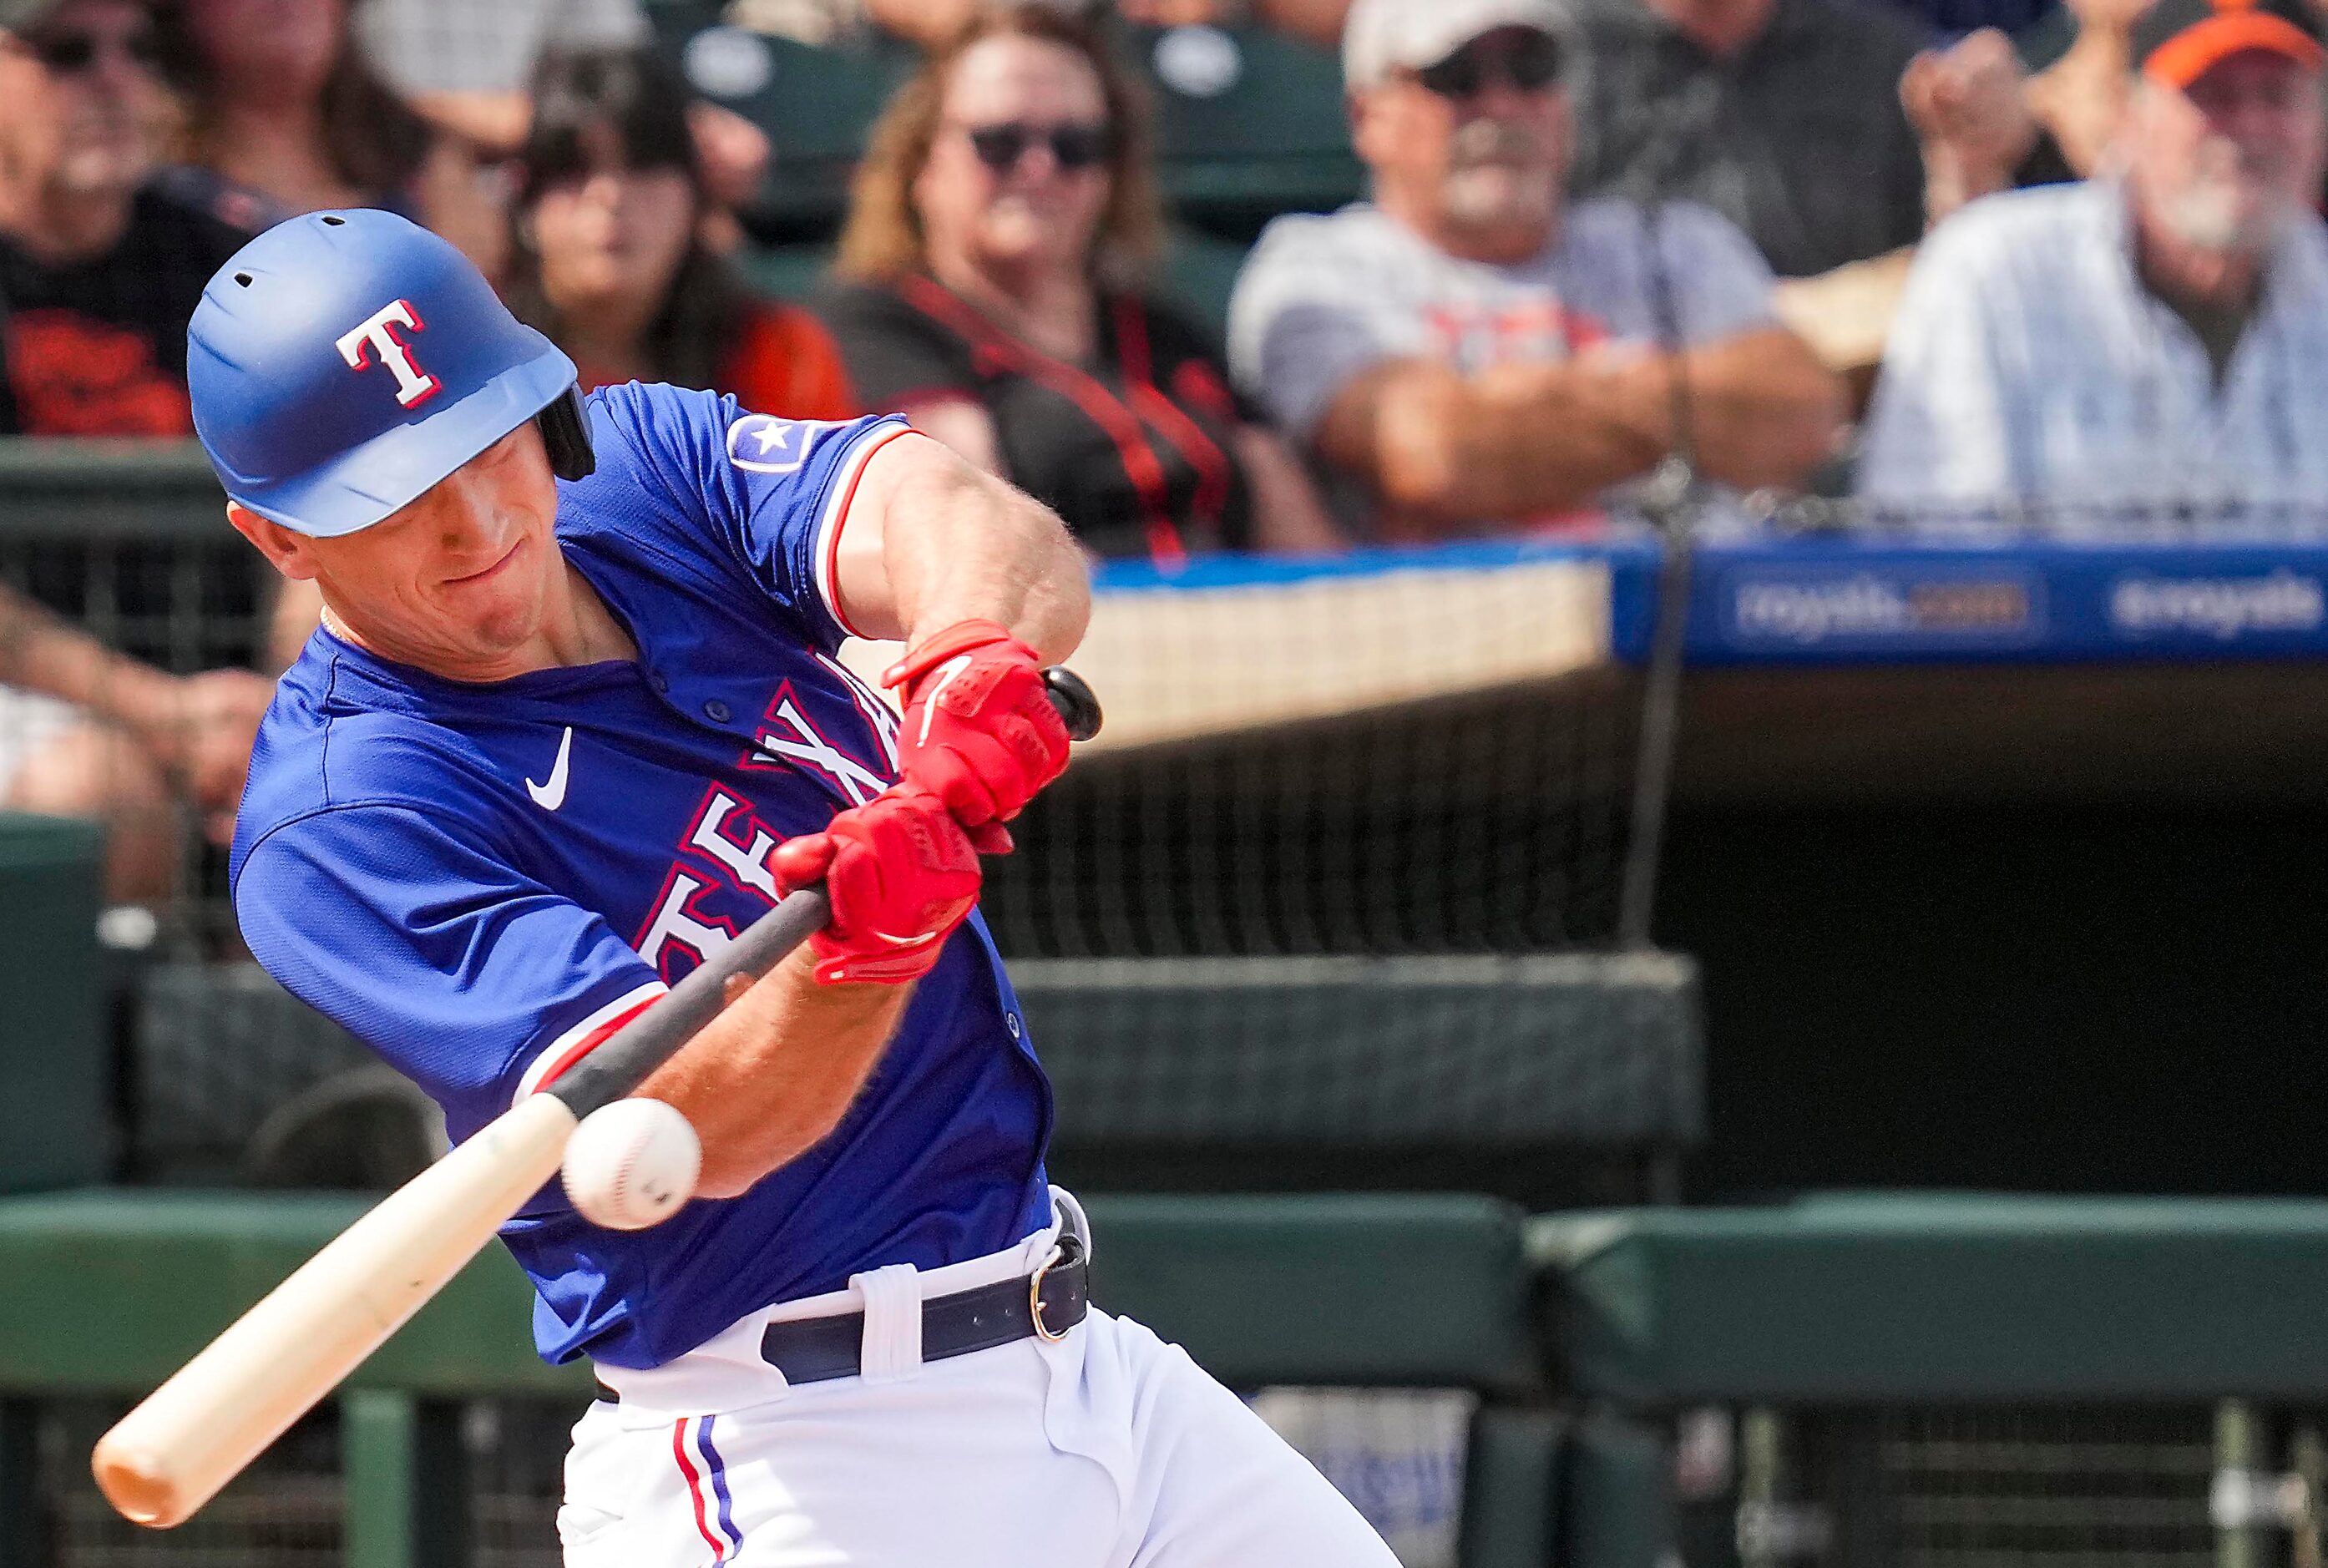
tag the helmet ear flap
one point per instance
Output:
(566, 435)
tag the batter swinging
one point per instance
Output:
(572, 719)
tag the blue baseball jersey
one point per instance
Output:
(482, 881)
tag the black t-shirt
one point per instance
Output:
(99, 347)
(1798, 139)
(1135, 450)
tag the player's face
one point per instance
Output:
(1016, 178)
(83, 97)
(458, 582)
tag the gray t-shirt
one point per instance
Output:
(1323, 298)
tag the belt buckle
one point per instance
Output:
(1063, 1252)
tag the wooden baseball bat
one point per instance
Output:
(199, 1430)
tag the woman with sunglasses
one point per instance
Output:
(279, 104)
(609, 259)
(991, 288)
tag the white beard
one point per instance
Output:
(2214, 215)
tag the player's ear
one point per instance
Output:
(286, 550)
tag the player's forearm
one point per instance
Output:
(767, 1079)
(931, 541)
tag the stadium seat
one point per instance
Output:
(108, 1290)
(1897, 1297)
(1249, 123)
(1269, 138)
(1196, 273)
(787, 272)
(54, 1119)
(105, 1292)
(814, 104)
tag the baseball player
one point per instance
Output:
(572, 721)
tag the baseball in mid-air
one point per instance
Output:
(632, 1164)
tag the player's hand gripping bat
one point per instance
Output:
(197, 1432)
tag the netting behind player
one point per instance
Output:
(1393, 756)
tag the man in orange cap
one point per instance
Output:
(2155, 339)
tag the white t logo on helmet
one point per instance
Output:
(413, 384)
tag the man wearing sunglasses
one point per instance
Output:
(101, 262)
(101, 265)
(1472, 349)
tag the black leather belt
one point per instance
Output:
(1043, 1305)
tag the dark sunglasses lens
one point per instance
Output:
(999, 147)
(1535, 64)
(1457, 76)
(1078, 147)
(66, 52)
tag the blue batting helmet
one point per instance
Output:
(342, 362)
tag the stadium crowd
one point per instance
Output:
(1801, 243)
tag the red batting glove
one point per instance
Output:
(901, 876)
(979, 732)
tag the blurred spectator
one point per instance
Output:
(1787, 117)
(609, 261)
(1473, 347)
(1970, 107)
(932, 24)
(278, 101)
(466, 64)
(85, 732)
(2155, 338)
(1783, 116)
(100, 261)
(998, 229)
(2081, 96)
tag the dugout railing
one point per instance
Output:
(104, 1291)
(1949, 1381)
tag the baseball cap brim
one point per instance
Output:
(2191, 53)
(1387, 36)
(362, 485)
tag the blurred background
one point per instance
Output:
(1696, 937)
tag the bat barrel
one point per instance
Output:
(197, 1432)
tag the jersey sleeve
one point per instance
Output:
(765, 494)
(477, 983)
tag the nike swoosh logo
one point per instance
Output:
(551, 795)
(946, 672)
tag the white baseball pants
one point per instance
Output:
(1109, 1448)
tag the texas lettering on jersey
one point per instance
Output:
(482, 883)
(720, 879)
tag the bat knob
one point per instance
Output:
(1075, 700)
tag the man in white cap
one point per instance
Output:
(2152, 342)
(1471, 349)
